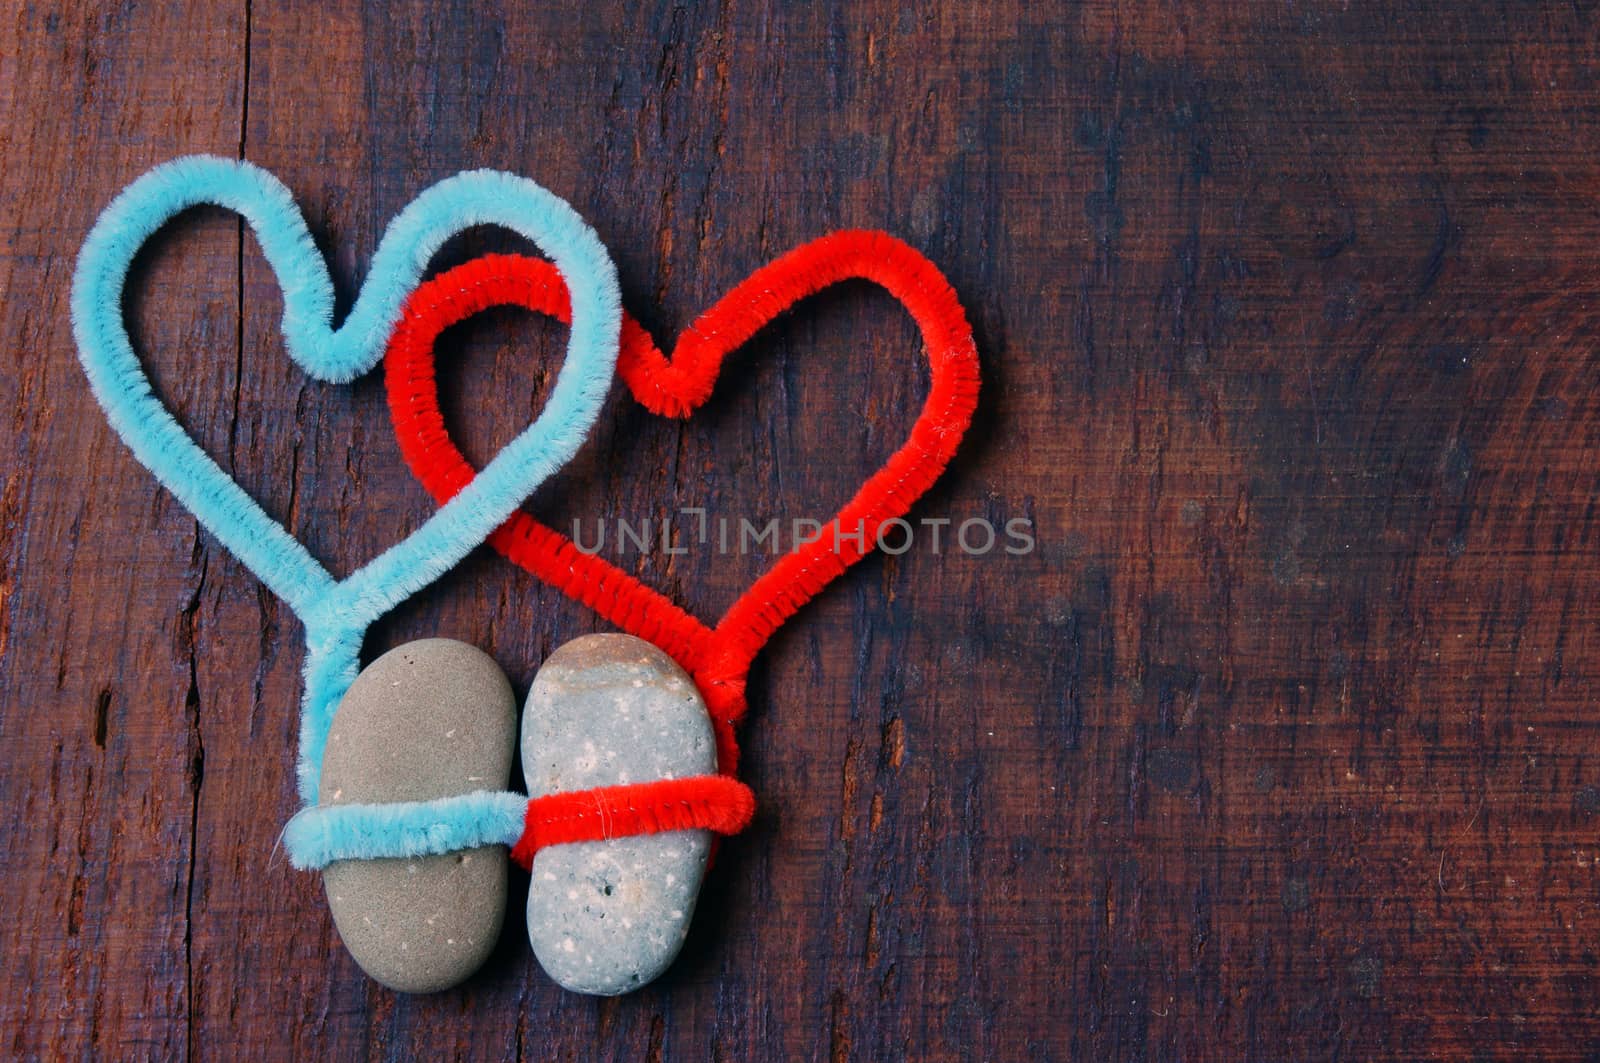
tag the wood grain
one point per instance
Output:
(1280, 744)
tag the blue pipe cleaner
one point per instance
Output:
(318, 836)
(337, 613)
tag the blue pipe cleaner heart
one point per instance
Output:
(336, 613)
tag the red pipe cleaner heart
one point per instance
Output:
(717, 657)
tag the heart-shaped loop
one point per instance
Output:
(336, 613)
(718, 657)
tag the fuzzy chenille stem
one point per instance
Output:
(333, 658)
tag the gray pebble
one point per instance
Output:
(432, 718)
(607, 917)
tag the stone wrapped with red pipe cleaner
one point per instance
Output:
(718, 658)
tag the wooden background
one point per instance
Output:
(1282, 744)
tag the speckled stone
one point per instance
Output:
(432, 718)
(607, 917)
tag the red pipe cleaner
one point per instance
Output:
(717, 657)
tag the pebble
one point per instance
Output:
(429, 719)
(607, 917)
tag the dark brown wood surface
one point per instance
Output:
(1283, 743)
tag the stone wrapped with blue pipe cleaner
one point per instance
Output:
(337, 612)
